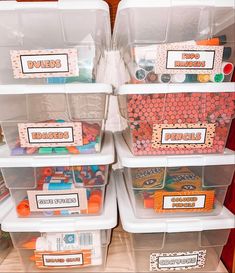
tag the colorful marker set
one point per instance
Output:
(145, 69)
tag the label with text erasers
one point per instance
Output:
(44, 63)
(178, 260)
(62, 259)
(186, 201)
(183, 135)
(188, 58)
(72, 200)
(50, 134)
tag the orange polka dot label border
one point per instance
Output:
(44, 63)
(183, 135)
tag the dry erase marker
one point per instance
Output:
(220, 40)
(203, 78)
(164, 78)
(178, 78)
(227, 68)
(217, 77)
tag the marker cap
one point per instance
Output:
(227, 68)
(222, 39)
(164, 78)
(217, 77)
(178, 78)
(227, 53)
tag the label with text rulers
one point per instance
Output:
(50, 134)
(184, 201)
(178, 260)
(186, 58)
(183, 135)
(53, 200)
(62, 259)
(44, 63)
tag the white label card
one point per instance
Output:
(51, 260)
(176, 202)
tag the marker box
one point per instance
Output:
(183, 243)
(47, 42)
(55, 119)
(45, 186)
(85, 242)
(174, 186)
(185, 118)
(5, 241)
(174, 38)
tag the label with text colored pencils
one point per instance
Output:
(62, 259)
(186, 58)
(44, 63)
(183, 135)
(184, 201)
(175, 261)
(52, 134)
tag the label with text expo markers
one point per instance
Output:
(62, 259)
(184, 201)
(44, 63)
(53, 200)
(183, 135)
(50, 134)
(186, 58)
(177, 260)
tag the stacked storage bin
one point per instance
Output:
(176, 113)
(5, 241)
(57, 156)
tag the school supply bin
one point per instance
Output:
(5, 241)
(168, 186)
(4, 192)
(177, 118)
(54, 119)
(71, 244)
(69, 185)
(183, 244)
(52, 41)
(176, 41)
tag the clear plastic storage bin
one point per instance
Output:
(176, 41)
(5, 241)
(55, 119)
(58, 186)
(175, 244)
(4, 192)
(177, 119)
(72, 244)
(52, 41)
(168, 186)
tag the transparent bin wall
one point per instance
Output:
(5, 245)
(86, 112)
(149, 48)
(178, 191)
(93, 244)
(53, 29)
(4, 192)
(179, 123)
(196, 251)
(29, 188)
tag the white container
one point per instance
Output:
(176, 41)
(184, 244)
(90, 252)
(5, 241)
(52, 42)
(174, 186)
(177, 118)
(55, 119)
(58, 186)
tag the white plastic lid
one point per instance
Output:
(83, 88)
(5, 207)
(132, 224)
(159, 88)
(107, 220)
(127, 159)
(60, 4)
(105, 157)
